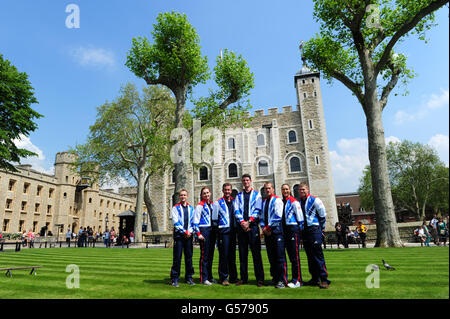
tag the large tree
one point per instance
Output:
(129, 139)
(16, 115)
(356, 46)
(175, 61)
(419, 180)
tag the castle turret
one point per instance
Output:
(307, 84)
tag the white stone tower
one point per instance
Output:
(309, 97)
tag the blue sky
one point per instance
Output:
(75, 70)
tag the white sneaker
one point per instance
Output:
(207, 283)
(292, 285)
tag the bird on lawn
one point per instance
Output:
(388, 267)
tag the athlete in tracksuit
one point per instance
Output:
(203, 227)
(292, 225)
(247, 214)
(314, 218)
(224, 213)
(182, 218)
(271, 223)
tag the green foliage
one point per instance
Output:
(235, 80)
(130, 132)
(359, 37)
(16, 115)
(174, 59)
(419, 180)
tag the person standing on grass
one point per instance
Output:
(292, 225)
(314, 216)
(433, 229)
(203, 226)
(223, 212)
(68, 237)
(361, 229)
(131, 237)
(247, 213)
(183, 230)
(442, 231)
(272, 226)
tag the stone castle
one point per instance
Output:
(289, 147)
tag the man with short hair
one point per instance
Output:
(361, 229)
(183, 222)
(272, 226)
(223, 212)
(314, 216)
(247, 213)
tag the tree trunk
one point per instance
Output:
(387, 231)
(151, 210)
(180, 168)
(139, 202)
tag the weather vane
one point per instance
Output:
(302, 48)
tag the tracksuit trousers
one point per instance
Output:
(252, 239)
(180, 245)
(312, 240)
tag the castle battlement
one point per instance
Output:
(272, 111)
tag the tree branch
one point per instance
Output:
(405, 29)
(390, 86)
(355, 88)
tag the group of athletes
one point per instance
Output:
(283, 221)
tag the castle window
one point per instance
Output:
(232, 170)
(26, 187)
(312, 80)
(9, 204)
(315, 93)
(263, 167)
(295, 165)
(292, 136)
(317, 160)
(21, 224)
(172, 179)
(65, 195)
(11, 185)
(304, 95)
(37, 208)
(311, 125)
(296, 192)
(39, 189)
(303, 81)
(67, 179)
(5, 225)
(24, 206)
(260, 140)
(50, 192)
(203, 173)
(231, 144)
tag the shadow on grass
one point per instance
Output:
(165, 281)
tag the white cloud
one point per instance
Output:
(438, 101)
(348, 162)
(93, 57)
(440, 143)
(115, 184)
(434, 102)
(39, 162)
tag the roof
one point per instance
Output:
(127, 213)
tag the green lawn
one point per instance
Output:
(422, 272)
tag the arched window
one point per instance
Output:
(260, 140)
(296, 192)
(203, 173)
(263, 167)
(231, 144)
(232, 170)
(292, 136)
(295, 165)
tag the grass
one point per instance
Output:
(421, 272)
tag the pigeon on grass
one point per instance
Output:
(387, 266)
